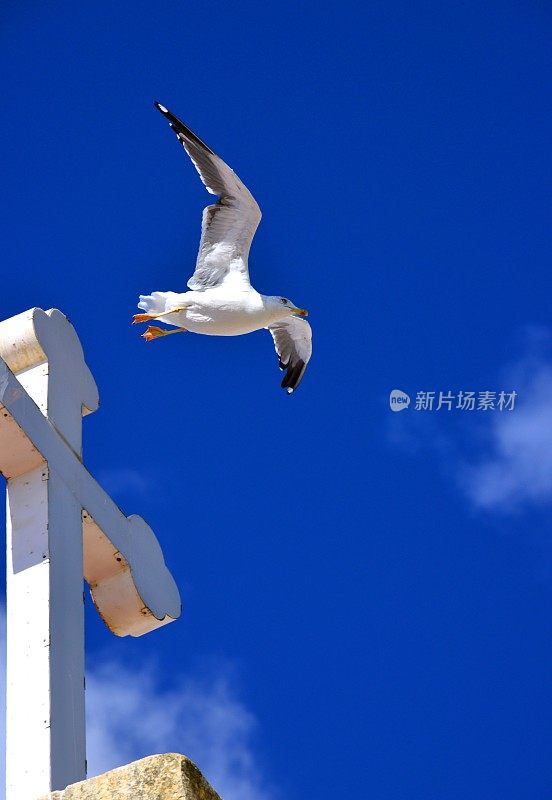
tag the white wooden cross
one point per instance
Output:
(61, 525)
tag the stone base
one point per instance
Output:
(166, 777)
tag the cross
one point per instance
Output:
(61, 525)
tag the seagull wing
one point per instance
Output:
(293, 343)
(229, 225)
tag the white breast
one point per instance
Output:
(215, 313)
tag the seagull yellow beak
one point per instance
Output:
(301, 312)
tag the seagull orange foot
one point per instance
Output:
(152, 332)
(142, 318)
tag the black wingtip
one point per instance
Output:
(293, 376)
(179, 128)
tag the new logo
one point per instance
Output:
(398, 400)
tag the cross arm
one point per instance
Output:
(131, 586)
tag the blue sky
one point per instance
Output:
(366, 594)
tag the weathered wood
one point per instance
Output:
(61, 525)
(45, 635)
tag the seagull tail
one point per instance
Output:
(157, 302)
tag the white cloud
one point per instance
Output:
(123, 480)
(501, 460)
(517, 469)
(131, 715)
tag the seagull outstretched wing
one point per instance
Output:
(293, 343)
(229, 225)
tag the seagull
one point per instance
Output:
(221, 300)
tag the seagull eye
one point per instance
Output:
(283, 300)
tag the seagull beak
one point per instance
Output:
(301, 312)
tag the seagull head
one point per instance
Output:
(283, 307)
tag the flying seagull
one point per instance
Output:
(221, 300)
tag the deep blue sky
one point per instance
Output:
(393, 641)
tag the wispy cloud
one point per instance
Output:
(501, 460)
(121, 480)
(517, 467)
(131, 714)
